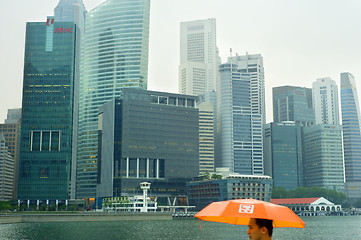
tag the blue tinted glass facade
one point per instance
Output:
(114, 56)
(351, 127)
(47, 111)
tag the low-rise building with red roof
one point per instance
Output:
(308, 205)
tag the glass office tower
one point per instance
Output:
(239, 126)
(114, 56)
(47, 111)
(351, 125)
(293, 104)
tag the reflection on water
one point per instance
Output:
(328, 228)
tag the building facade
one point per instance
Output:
(283, 154)
(206, 138)
(293, 104)
(199, 60)
(323, 157)
(202, 193)
(325, 101)
(13, 115)
(239, 144)
(47, 110)
(6, 171)
(114, 56)
(11, 134)
(351, 125)
(147, 136)
(252, 64)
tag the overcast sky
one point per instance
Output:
(300, 40)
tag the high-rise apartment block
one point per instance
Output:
(325, 101)
(323, 158)
(283, 154)
(239, 118)
(199, 60)
(114, 56)
(351, 125)
(293, 104)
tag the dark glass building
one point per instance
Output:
(293, 104)
(147, 136)
(283, 154)
(47, 111)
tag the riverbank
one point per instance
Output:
(80, 217)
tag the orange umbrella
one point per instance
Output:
(240, 211)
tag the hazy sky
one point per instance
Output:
(300, 40)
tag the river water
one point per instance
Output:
(327, 228)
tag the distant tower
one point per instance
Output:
(325, 101)
(351, 124)
(293, 104)
(6, 171)
(253, 65)
(199, 60)
(239, 121)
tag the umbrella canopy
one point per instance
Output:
(240, 211)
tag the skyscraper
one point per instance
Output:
(283, 154)
(114, 56)
(148, 136)
(322, 156)
(293, 104)
(199, 60)
(325, 101)
(6, 171)
(351, 124)
(239, 121)
(47, 110)
(253, 65)
(73, 11)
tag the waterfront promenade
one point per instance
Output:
(81, 217)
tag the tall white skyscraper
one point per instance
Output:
(199, 60)
(325, 101)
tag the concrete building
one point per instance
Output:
(206, 138)
(293, 104)
(323, 157)
(239, 144)
(6, 171)
(234, 186)
(325, 101)
(199, 60)
(13, 116)
(114, 57)
(282, 145)
(147, 136)
(351, 125)
(11, 133)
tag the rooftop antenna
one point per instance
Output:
(230, 52)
